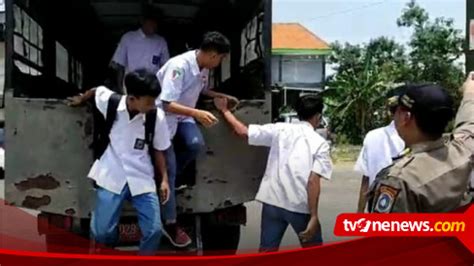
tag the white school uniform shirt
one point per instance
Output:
(127, 160)
(296, 150)
(137, 50)
(380, 146)
(182, 81)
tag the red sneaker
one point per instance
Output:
(176, 235)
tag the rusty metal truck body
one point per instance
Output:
(56, 49)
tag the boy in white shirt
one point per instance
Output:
(381, 145)
(125, 171)
(299, 157)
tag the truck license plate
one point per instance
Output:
(129, 232)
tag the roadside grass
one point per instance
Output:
(345, 153)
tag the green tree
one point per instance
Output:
(365, 73)
(435, 49)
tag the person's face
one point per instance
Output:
(143, 104)
(390, 112)
(214, 59)
(150, 26)
(404, 121)
(317, 120)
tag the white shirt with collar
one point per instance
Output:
(380, 146)
(126, 160)
(296, 150)
(137, 50)
(182, 81)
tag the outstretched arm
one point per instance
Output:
(240, 128)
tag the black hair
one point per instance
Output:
(308, 106)
(215, 42)
(149, 12)
(392, 110)
(142, 82)
(434, 123)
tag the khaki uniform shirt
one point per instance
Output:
(433, 177)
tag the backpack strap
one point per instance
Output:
(112, 106)
(150, 122)
(102, 138)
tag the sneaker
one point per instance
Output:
(176, 235)
(181, 188)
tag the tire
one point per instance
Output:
(220, 239)
(66, 243)
(74, 240)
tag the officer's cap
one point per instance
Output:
(394, 94)
(427, 99)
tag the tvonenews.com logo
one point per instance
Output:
(459, 225)
(364, 225)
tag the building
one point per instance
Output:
(298, 60)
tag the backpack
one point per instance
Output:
(104, 126)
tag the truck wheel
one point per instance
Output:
(60, 237)
(66, 243)
(55, 243)
(220, 239)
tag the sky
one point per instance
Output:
(358, 21)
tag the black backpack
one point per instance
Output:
(104, 126)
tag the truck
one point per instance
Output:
(56, 49)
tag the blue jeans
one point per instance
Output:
(106, 215)
(274, 223)
(188, 143)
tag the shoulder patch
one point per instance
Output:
(177, 72)
(386, 199)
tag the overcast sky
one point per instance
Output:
(358, 21)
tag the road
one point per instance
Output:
(339, 195)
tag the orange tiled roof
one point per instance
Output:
(295, 36)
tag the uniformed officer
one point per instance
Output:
(380, 146)
(434, 176)
(142, 48)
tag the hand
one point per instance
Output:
(221, 104)
(164, 192)
(205, 118)
(232, 102)
(311, 230)
(75, 101)
(468, 86)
